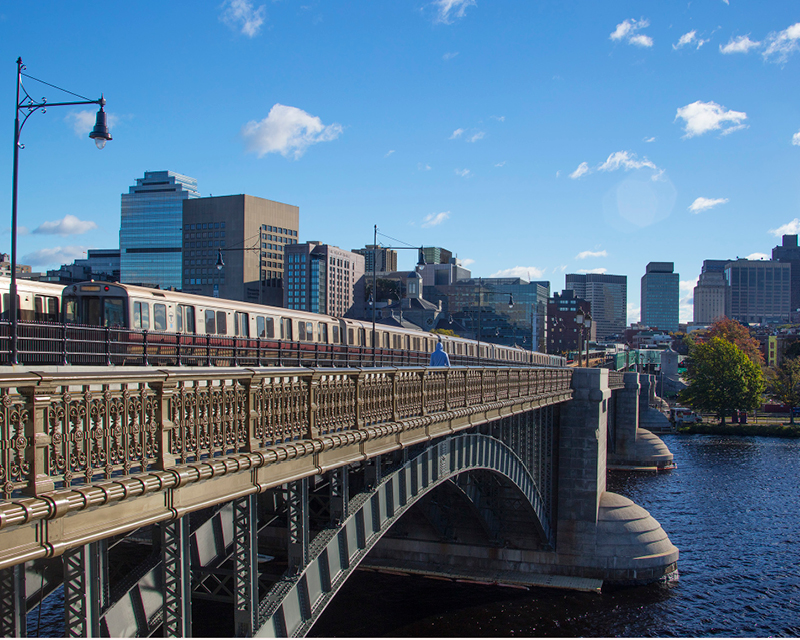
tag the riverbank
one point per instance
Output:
(774, 430)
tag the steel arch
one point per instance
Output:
(295, 603)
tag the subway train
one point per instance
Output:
(166, 326)
(123, 324)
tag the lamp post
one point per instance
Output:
(221, 264)
(99, 134)
(585, 320)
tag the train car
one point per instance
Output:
(157, 326)
(36, 301)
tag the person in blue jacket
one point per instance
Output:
(439, 356)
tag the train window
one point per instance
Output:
(351, 336)
(185, 318)
(113, 312)
(141, 315)
(7, 304)
(335, 334)
(211, 322)
(45, 309)
(70, 309)
(260, 327)
(160, 317)
(323, 333)
(222, 323)
(270, 327)
(385, 340)
(362, 337)
(286, 328)
(301, 335)
(242, 324)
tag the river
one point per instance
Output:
(732, 507)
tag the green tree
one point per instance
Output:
(784, 384)
(722, 378)
(738, 334)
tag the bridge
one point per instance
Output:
(258, 491)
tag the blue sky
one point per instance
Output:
(530, 138)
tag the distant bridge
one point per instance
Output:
(140, 490)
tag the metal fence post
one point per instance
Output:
(165, 389)
(37, 410)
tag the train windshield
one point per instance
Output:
(94, 310)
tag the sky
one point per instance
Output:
(531, 138)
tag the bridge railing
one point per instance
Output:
(43, 343)
(64, 430)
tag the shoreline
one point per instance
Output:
(775, 430)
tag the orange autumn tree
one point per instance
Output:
(735, 333)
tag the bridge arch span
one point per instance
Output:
(293, 605)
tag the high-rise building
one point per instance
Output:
(563, 330)
(324, 279)
(758, 291)
(608, 295)
(481, 305)
(249, 234)
(386, 258)
(709, 293)
(437, 255)
(660, 294)
(789, 252)
(150, 229)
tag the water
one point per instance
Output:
(732, 508)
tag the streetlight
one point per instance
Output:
(99, 134)
(221, 263)
(585, 320)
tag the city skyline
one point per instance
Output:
(531, 140)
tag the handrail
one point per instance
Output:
(73, 429)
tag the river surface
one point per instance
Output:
(732, 507)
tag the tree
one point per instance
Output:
(784, 384)
(722, 378)
(738, 334)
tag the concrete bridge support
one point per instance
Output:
(630, 446)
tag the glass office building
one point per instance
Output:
(659, 296)
(150, 235)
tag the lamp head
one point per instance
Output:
(510, 301)
(100, 133)
(220, 261)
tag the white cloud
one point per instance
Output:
(241, 15)
(421, 166)
(69, 225)
(591, 254)
(796, 139)
(520, 272)
(689, 38)
(477, 136)
(388, 153)
(54, 256)
(467, 262)
(727, 2)
(464, 173)
(500, 164)
(641, 40)
(704, 204)
(633, 313)
(658, 175)
(651, 139)
(742, 44)
(449, 55)
(790, 228)
(702, 117)
(597, 270)
(625, 160)
(456, 134)
(780, 45)
(583, 169)
(498, 118)
(435, 219)
(628, 29)
(688, 285)
(82, 122)
(288, 131)
(448, 10)
(757, 256)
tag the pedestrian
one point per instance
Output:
(439, 357)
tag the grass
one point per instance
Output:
(769, 429)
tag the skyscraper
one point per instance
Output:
(150, 229)
(709, 294)
(386, 258)
(250, 234)
(324, 279)
(758, 291)
(608, 296)
(660, 295)
(788, 251)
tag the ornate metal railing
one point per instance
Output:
(63, 430)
